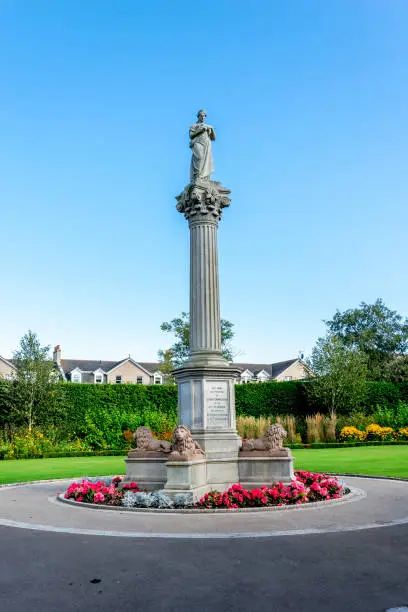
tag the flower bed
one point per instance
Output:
(306, 487)
(104, 491)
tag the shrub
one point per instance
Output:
(143, 499)
(352, 434)
(375, 432)
(183, 500)
(402, 433)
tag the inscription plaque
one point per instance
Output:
(217, 404)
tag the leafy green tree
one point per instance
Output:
(5, 405)
(37, 396)
(340, 371)
(166, 365)
(180, 328)
(373, 329)
(396, 369)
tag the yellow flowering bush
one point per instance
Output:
(376, 432)
(352, 434)
(402, 434)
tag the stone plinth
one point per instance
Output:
(150, 472)
(187, 477)
(257, 469)
(206, 404)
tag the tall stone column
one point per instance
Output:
(206, 381)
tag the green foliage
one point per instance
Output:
(272, 398)
(35, 396)
(166, 366)
(340, 374)
(380, 393)
(99, 414)
(396, 369)
(373, 329)
(180, 328)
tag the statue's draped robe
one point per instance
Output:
(202, 164)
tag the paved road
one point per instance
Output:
(52, 572)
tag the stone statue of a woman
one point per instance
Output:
(201, 136)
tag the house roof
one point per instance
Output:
(273, 369)
(90, 365)
(254, 367)
(87, 365)
(9, 362)
(281, 366)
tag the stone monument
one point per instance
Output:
(205, 453)
(206, 381)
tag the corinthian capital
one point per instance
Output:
(203, 200)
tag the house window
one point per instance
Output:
(98, 378)
(139, 380)
(288, 378)
(157, 380)
(118, 380)
(76, 377)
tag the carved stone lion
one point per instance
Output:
(145, 441)
(272, 440)
(184, 448)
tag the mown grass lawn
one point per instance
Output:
(371, 460)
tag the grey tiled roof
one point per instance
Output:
(254, 367)
(280, 366)
(150, 366)
(88, 365)
(273, 369)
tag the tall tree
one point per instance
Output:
(375, 330)
(36, 393)
(180, 328)
(340, 374)
(396, 370)
(166, 365)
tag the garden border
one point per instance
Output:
(354, 495)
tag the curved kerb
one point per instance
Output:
(381, 503)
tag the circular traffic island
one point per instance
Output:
(371, 503)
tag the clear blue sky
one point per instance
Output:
(309, 101)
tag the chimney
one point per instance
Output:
(56, 356)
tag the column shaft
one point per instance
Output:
(205, 323)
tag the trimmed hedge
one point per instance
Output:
(128, 398)
(100, 413)
(272, 398)
(115, 452)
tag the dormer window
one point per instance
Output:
(76, 376)
(246, 376)
(98, 378)
(157, 379)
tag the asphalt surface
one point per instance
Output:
(360, 571)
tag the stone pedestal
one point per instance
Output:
(187, 477)
(258, 470)
(149, 472)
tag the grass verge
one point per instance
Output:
(374, 460)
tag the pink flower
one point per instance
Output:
(99, 497)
